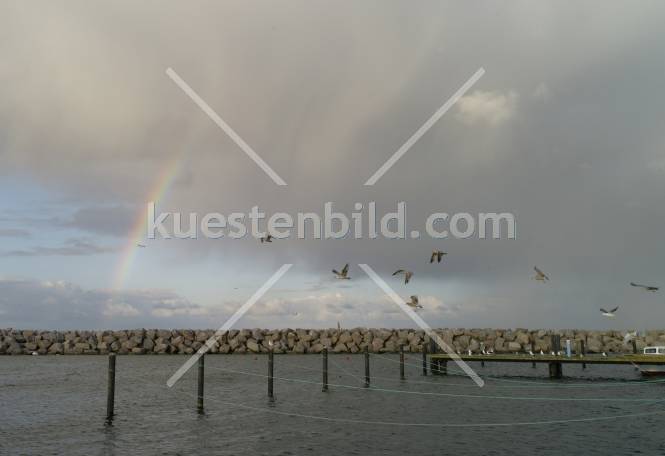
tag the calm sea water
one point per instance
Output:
(56, 405)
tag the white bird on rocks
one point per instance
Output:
(541, 352)
(414, 302)
(629, 336)
(34, 353)
(344, 274)
(470, 352)
(540, 275)
(531, 353)
(266, 238)
(609, 314)
(552, 353)
(407, 275)
(604, 354)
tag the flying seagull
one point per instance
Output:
(266, 238)
(609, 314)
(645, 287)
(344, 273)
(140, 245)
(437, 254)
(407, 274)
(414, 302)
(540, 275)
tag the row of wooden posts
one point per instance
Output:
(555, 371)
(271, 364)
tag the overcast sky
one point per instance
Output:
(564, 130)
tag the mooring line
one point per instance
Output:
(428, 425)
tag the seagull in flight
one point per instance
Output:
(414, 302)
(540, 275)
(266, 238)
(407, 275)
(139, 244)
(437, 255)
(344, 273)
(645, 287)
(609, 314)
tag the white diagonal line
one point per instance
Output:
(224, 126)
(426, 126)
(420, 322)
(226, 326)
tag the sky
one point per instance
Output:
(564, 130)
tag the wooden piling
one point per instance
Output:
(271, 365)
(583, 352)
(324, 388)
(366, 367)
(556, 371)
(110, 388)
(424, 360)
(401, 362)
(634, 346)
(433, 364)
(199, 395)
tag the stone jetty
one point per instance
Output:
(301, 341)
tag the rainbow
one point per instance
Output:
(140, 225)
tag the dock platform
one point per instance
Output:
(438, 362)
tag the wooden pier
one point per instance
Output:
(439, 362)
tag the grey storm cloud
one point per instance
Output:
(564, 130)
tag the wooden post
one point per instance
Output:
(424, 360)
(443, 367)
(583, 352)
(555, 369)
(634, 346)
(199, 396)
(110, 388)
(401, 362)
(433, 363)
(533, 364)
(325, 370)
(271, 365)
(366, 366)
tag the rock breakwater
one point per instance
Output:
(185, 341)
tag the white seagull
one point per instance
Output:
(437, 255)
(629, 336)
(344, 273)
(609, 314)
(414, 302)
(540, 275)
(140, 245)
(407, 275)
(645, 287)
(531, 353)
(541, 352)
